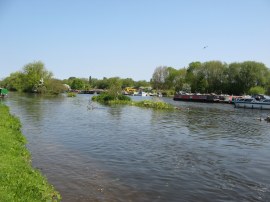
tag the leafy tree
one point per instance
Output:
(100, 84)
(115, 88)
(77, 84)
(192, 76)
(14, 81)
(214, 75)
(186, 88)
(35, 75)
(141, 83)
(252, 74)
(257, 90)
(179, 79)
(234, 83)
(159, 77)
(55, 86)
(128, 82)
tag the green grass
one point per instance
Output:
(125, 100)
(71, 94)
(19, 181)
(153, 104)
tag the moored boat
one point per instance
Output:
(196, 97)
(252, 103)
(140, 93)
(3, 92)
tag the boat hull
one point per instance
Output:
(196, 98)
(252, 105)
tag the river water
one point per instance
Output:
(203, 152)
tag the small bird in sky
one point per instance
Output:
(205, 47)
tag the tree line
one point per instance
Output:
(237, 78)
(35, 78)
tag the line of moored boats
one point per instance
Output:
(252, 102)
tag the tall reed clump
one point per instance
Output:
(19, 181)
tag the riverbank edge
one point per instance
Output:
(19, 181)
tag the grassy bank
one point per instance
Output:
(19, 181)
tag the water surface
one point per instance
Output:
(203, 152)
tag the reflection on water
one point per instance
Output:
(203, 152)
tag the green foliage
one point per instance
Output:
(141, 83)
(167, 93)
(115, 88)
(14, 82)
(18, 180)
(218, 77)
(159, 77)
(34, 78)
(77, 84)
(35, 75)
(153, 104)
(71, 94)
(103, 98)
(257, 90)
(107, 97)
(186, 88)
(128, 82)
(168, 78)
(54, 86)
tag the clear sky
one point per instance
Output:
(130, 38)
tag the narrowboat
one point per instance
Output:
(3, 92)
(196, 97)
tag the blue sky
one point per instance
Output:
(130, 38)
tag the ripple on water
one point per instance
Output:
(122, 153)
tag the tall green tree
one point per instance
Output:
(115, 87)
(14, 81)
(128, 82)
(194, 75)
(35, 76)
(234, 85)
(214, 73)
(253, 74)
(141, 83)
(159, 77)
(77, 84)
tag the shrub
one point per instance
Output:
(106, 98)
(257, 90)
(154, 105)
(71, 94)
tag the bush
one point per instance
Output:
(123, 99)
(257, 90)
(106, 98)
(154, 105)
(71, 94)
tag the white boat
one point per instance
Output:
(140, 93)
(252, 103)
